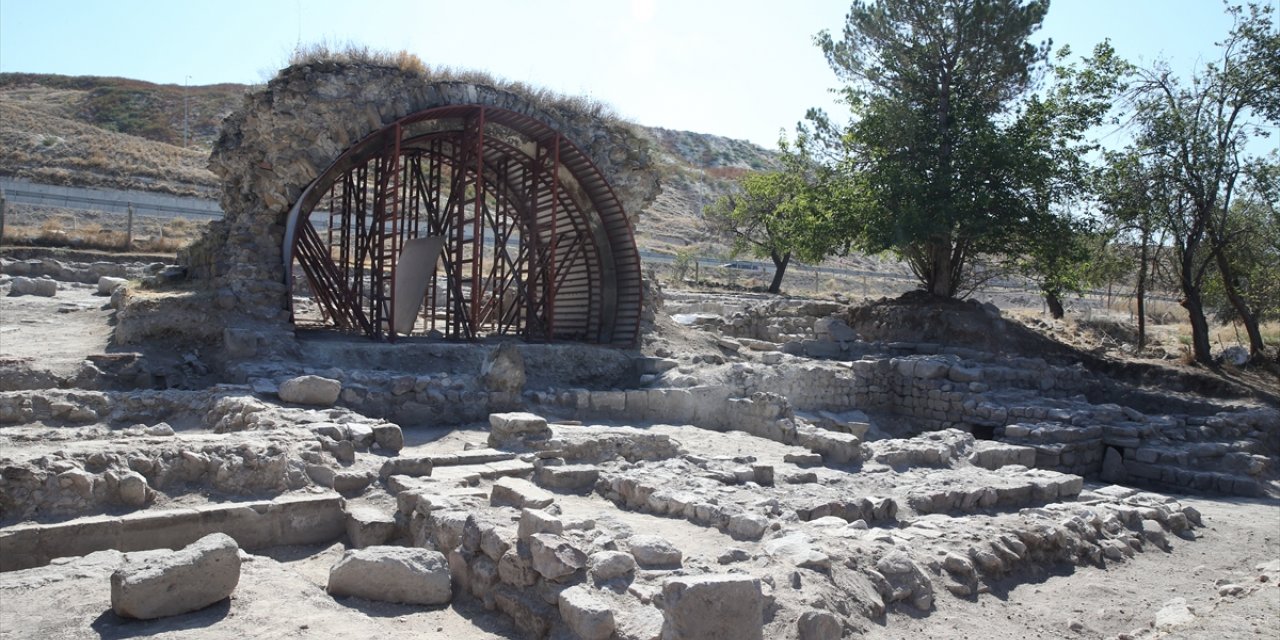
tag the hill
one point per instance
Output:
(124, 133)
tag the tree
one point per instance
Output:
(956, 156)
(1252, 230)
(1135, 198)
(775, 215)
(1199, 135)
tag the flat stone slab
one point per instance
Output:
(176, 583)
(404, 575)
(518, 493)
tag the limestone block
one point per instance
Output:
(369, 527)
(834, 328)
(23, 286)
(171, 584)
(312, 390)
(747, 526)
(351, 482)
(518, 493)
(388, 437)
(107, 284)
(516, 568)
(712, 607)
(505, 428)
(503, 369)
(654, 551)
(416, 467)
(818, 625)
(536, 521)
(608, 565)
(393, 574)
(990, 454)
(570, 477)
(906, 580)
(586, 613)
(529, 612)
(655, 365)
(132, 488)
(554, 557)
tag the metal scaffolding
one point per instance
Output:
(534, 243)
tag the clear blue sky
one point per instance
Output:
(739, 68)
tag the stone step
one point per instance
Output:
(1183, 478)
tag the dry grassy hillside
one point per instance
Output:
(122, 133)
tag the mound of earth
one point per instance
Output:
(918, 316)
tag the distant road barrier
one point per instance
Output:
(107, 200)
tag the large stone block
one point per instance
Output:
(712, 607)
(505, 428)
(586, 614)
(369, 527)
(518, 493)
(393, 574)
(23, 286)
(171, 584)
(554, 557)
(313, 390)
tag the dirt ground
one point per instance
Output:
(1223, 584)
(54, 334)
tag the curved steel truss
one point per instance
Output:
(465, 222)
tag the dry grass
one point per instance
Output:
(355, 53)
(104, 233)
(46, 148)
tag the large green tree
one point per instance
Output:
(956, 156)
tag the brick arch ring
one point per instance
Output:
(463, 222)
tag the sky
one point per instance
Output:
(739, 68)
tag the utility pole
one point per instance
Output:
(186, 85)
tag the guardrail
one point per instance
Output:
(107, 200)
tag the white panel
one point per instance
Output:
(414, 272)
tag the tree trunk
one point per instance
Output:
(779, 268)
(1199, 326)
(938, 274)
(1055, 305)
(1256, 346)
(1142, 286)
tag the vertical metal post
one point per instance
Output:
(394, 187)
(2, 202)
(551, 255)
(128, 230)
(477, 229)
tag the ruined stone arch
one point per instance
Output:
(560, 184)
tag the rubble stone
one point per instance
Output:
(654, 551)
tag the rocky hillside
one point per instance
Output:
(122, 133)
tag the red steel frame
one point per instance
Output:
(537, 244)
